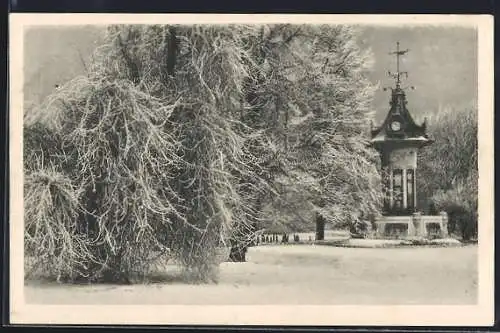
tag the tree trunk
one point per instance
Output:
(238, 254)
(320, 227)
(172, 51)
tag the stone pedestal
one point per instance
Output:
(415, 225)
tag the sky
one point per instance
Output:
(441, 63)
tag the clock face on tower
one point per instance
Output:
(395, 126)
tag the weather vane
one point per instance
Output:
(398, 74)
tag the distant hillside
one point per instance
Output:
(442, 63)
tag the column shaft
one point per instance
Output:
(415, 189)
(404, 187)
(391, 189)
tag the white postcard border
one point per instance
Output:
(478, 315)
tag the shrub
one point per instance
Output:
(460, 203)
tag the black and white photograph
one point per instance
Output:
(334, 168)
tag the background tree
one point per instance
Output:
(311, 99)
(449, 169)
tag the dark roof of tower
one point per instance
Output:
(409, 130)
(399, 112)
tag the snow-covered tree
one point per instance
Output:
(149, 136)
(448, 169)
(178, 136)
(313, 97)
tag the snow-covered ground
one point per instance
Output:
(374, 243)
(301, 274)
